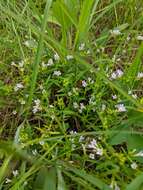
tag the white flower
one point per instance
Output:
(140, 153)
(81, 139)
(140, 75)
(114, 75)
(92, 156)
(13, 63)
(7, 180)
(56, 57)
(82, 106)
(92, 144)
(75, 105)
(57, 73)
(99, 151)
(73, 132)
(22, 102)
(50, 62)
(69, 57)
(114, 97)
(128, 38)
(134, 96)
(81, 47)
(37, 106)
(140, 38)
(69, 94)
(34, 152)
(43, 64)
(103, 107)
(84, 83)
(116, 187)
(134, 165)
(120, 108)
(88, 52)
(21, 64)
(15, 173)
(119, 72)
(115, 32)
(18, 86)
(14, 112)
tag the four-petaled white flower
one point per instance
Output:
(121, 108)
(15, 173)
(57, 73)
(18, 86)
(134, 165)
(115, 32)
(92, 156)
(140, 38)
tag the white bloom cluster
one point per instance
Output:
(115, 32)
(18, 86)
(140, 75)
(114, 186)
(89, 81)
(57, 73)
(69, 57)
(140, 154)
(15, 173)
(95, 148)
(121, 108)
(37, 106)
(134, 165)
(114, 97)
(7, 180)
(140, 38)
(50, 62)
(56, 57)
(81, 47)
(117, 74)
(80, 107)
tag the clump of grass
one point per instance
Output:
(71, 95)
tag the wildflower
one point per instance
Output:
(34, 152)
(57, 73)
(115, 32)
(69, 57)
(81, 139)
(134, 165)
(7, 180)
(15, 173)
(116, 187)
(69, 94)
(140, 38)
(56, 57)
(13, 63)
(84, 84)
(21, 64)
(81, 47)
(37, 106)
(88, 52)
(128, 38)
(140, 75)
(119, 72)
(121, 108)
(14, 112)
(81, 107)
(22, 102)
(75, 105)
(43, 64)
(18, 86)
(103, 107)
(139, 154)
(114, 97)
(50, 62)
(134, 96)
(99, 151)
(92, 156)
(92, 144)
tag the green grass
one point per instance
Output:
(71, 95)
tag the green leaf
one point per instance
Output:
(46, 179)
(136, 184)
